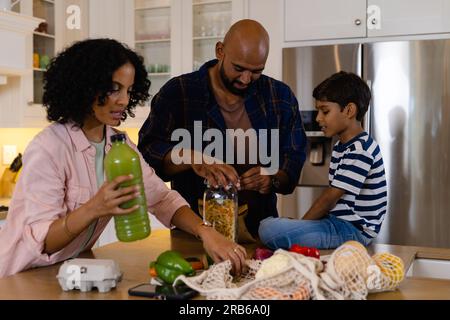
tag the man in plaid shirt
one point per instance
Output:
(229, 93)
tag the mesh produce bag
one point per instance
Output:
(352, 273)
(348, 273)
(388, 275)
(297, 279)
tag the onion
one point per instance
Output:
(262, 253)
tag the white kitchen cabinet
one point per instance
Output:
(195, 28)
(271, 15)
(324, 19)
(115, 19)
(167, 33)
(152, 39)
(16, 30)
(136, 24)
(306, 20)
(210, 22)
(173, 36)
(408, 17)
(49, 43)
(44, 46)
(206, 24)
(24, 94)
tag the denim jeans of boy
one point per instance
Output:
(327, 233)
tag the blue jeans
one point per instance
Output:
(327, 233)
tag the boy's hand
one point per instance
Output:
(326, 201)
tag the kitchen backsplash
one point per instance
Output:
(21, 137)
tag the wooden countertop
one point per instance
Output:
(5, 201)
(133, 259)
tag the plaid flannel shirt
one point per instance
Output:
(270, 104)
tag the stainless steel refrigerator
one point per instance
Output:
(409, 117)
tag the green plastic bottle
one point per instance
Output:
(123, 160)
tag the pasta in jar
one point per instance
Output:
(220, 210)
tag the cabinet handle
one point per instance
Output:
(358, 22)
(374, 21)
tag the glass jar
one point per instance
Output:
(220, 209)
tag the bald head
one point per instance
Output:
(242, 56)
(249, 40)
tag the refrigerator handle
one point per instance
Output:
(367, 118)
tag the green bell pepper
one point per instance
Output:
(170, 264)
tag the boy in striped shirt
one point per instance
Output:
(354, 205)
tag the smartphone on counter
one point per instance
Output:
(163, 292)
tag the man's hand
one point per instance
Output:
(253, 179)
(212, 169)
(217, 174)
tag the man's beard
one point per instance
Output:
(230, 84)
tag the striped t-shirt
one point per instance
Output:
(357, 168)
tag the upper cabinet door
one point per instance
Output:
(324, 19)
(407, 17)
(204, 23)
(72, 22)
(210, 21)
(153, 39)
(44, 48)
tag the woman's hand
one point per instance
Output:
(220, 249)
(108, 198)
(216, 245)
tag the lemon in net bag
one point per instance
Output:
(352, 272)
(391, 271)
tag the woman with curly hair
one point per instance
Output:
(61, 203)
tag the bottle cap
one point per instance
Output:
(118, 137)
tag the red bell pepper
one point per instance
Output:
(306, 251)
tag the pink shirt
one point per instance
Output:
(58, 176)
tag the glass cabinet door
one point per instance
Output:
(16, 8)
(43, 44)
(152, 39)
(211, 20)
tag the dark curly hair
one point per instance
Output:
(83, 71)
(343, 88)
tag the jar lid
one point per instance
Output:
(228, 187)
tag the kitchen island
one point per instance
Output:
(133, 259)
